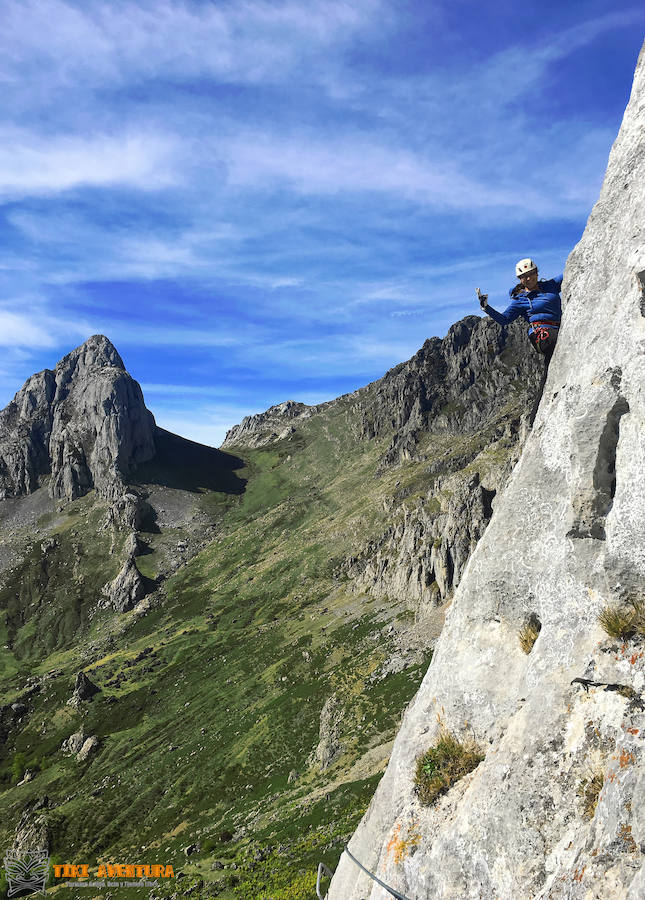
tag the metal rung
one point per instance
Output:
(322, 869)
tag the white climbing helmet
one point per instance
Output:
(524, 265)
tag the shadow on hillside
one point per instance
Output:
(188, 466)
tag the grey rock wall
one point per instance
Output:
(127, 588)
(263, 428)
(567, 538)
(485, 387)
(452, 385)
(421, 558)
(85, 424)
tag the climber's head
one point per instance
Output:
(527, 272)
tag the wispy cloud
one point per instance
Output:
(282, 198)
(108, 43)
(35, 164)
(20, 330)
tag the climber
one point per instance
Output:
(539, 303)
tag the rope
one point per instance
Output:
(322, 866)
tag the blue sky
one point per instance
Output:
(259, 201)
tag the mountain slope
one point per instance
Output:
(565, 543)
(252, 667)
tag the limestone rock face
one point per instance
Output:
(422, 558)
(329, 747)
(90, 745)
(453, 385)
(85, 423)
(566, 539)
(74, 742)
(127, 511)
(480, 379)
(263, 428)
(127, 588)
(32, 831)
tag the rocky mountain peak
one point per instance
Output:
(96, 352)
(84, 423)
(265, 427)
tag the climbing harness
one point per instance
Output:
(322, 868)
(541, 330)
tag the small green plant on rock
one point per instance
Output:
(623, 621)
(589, 790)
(529, 634)
(442, 765)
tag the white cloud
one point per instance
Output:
(366, 163)
(171, 335)
(35, 164)
(110, 43)
(312, 165)
(37, 330)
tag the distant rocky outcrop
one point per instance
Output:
(84, 689)
(85, 424)
(480, 380)
(74, 742)
(127, 588)
(453, 385)
(12, 718)
(80, 745)
(422, 556)
(128, 511)
(563, 712)
(263, 428)
(33, 831)
(329, 746)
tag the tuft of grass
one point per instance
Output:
(529, 635)
(589, 790)
(638, 607)
(442, 765)
(623, 622)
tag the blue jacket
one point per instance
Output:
(540, 305)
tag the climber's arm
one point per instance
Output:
(512, 311)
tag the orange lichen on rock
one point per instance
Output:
(402, 846)
(626, 758)
(625, 834)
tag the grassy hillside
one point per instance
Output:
(213, 697)
(212, 690)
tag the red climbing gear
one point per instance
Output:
(541, 332)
